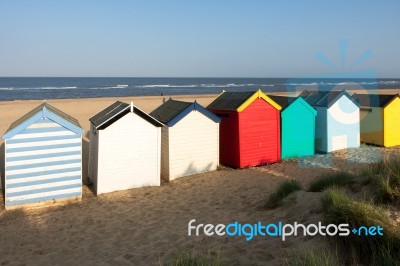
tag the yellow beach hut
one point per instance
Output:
(379, 119)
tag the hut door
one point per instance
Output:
(339, 142)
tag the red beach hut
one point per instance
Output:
(249, 128)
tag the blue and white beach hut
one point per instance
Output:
(337, 124)
(43, 158)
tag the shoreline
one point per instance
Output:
(12, 110)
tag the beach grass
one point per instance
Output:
(340, 208)
(284, 189)
(185, 258)
(311, 257)
(332, 179)
(386, 178)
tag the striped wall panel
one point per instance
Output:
(43, 162)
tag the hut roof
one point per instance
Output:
(169, 110)
(230, 100)
(324, 98)
(51, 109)
(117, 110)
(173, 111)
(285, 101)
(43, 111)
(238, 101)
(374, 100)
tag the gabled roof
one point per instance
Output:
(44, 110)
(117, 110)
(286, 101)
(230, 100)
(324, 98)
(172, 111)
(283, 101)
(169, 110)
(374, 100)
(238, 101)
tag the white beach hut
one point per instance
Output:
(190, 139)
(43, 158)
(124, 149)
(337, 124)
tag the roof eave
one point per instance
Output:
(42, 113)
(306, 104)
(19, 128)
(391, 100)
(258, 95)
(343, 93)
(104, 122)
(156, 122)
(136, 110)
(187, 110)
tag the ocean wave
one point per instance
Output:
(57, 88)
(389, 82)
(48, 88)
(119, 87)
(369, 83)
(228, 85)
(108, 87)
(248, 85)
(7, 89)
(345, 83)
(153, 86)
(169, 86)
(302, 84)
(101, 88)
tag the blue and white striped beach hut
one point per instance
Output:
(43, 158)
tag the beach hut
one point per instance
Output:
(337, 123)
(43, 158)
(124, 149)
(379, 119)
(189, 139)
(249, 129)
(297, 126)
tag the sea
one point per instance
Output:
(42, 88)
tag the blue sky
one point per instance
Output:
(194, 38)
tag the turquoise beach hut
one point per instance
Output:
(297, 126)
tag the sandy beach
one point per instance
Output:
(146, 226)
(310, 179)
